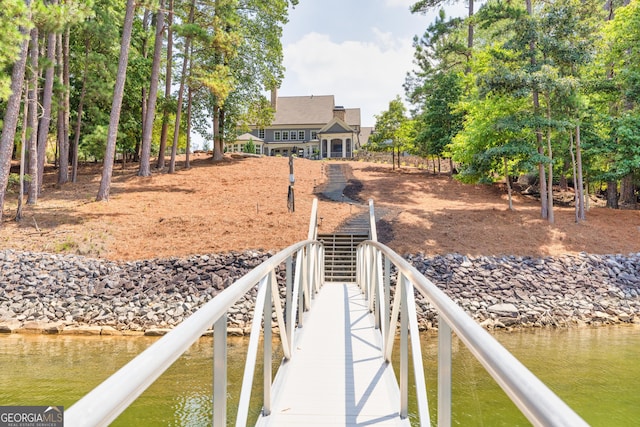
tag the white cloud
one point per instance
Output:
(360, 74)
(399, 3)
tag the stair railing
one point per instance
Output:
(313, 222)
(534, 399)
(373, 231)
(104, 403)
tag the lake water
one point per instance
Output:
(596, 371)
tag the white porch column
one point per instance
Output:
(329, 147)
(344, 148)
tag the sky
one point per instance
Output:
(357, 50)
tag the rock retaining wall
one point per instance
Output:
(562, 291)
(47, 293)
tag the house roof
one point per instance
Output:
(310, 110)
(353, 116)
(336, 126)
(365, 134)
(248, 137)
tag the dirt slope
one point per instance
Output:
(240, 204)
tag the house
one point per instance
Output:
(312, 127)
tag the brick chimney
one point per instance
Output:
(339, 112)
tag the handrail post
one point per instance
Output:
(373, 232)
(444, 373)
(299, 282)
(313, 221)
(289, 306)
(404, 350)
(267, 344)
(320, 264)
(220, 372)
(370, 294)
(387, 288)
(252, 351)
(380, 296)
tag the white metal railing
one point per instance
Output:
(539, 404)
(109, 399)
(373, 231)
(535, 400)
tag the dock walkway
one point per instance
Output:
(337, 374)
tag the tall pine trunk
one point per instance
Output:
(187, 163)
(23, 151)
(78, 127)
(544, 207)
(470, 32)
(187, 160)
(32, 168)
(612, 194)
(11, 114)
(574, 168)
(144, 168)
(550, 214)
(118, 93)
(47, 98)
(63, 112)
(144, 96)
(218, 148)
(183, 80)
(507, 181)
(167, 90)
(628, 192)
(579, 183)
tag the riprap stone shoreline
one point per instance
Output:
(68, 294)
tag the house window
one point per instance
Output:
(258, 149)
(277, 135)
(285, 135)
(261, 133)
(314, 134)
(301, 135)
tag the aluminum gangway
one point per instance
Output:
(337, 340)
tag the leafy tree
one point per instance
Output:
(495, 142)
(436, 86)
(245, 38)
(93, 66)
(620, 51)
(249, 147)
(422, 6)
(391, 132)
(15, 14)
(532, 54)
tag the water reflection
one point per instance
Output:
(594, 370)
